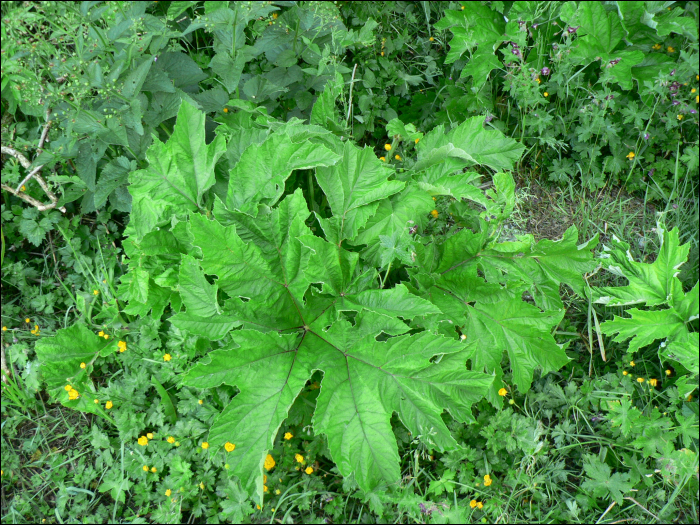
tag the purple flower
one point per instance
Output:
(693, 111)
(646, 136)
(555, 47)
(572, 30)
(676, 102)
(423, 509)
(488, 119)
(651, 172)
(610, 97)
(673, 72)
(545, 71)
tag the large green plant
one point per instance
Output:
(354, 290)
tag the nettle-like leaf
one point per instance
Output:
(654, 284)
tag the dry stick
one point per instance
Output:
(33, 174)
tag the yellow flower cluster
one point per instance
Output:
(487, 480)
(434, 213)
(102, 334)
(122, 346)
(36, 330)
(269, 462)
(476, 504)
(72, 392)
(299, 458)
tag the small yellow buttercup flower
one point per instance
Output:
(487, 480)
(143, 441)
(668, 372)
(472, 503)
(95, 292)
(101, 333)
(640, 380)
(149, 435)
(463, 337)
(106, 336)
(382, 53)
(201, 402)
(167, 357)
(264, 478)
(546, 94)
(73, 394)
(67, 388)
(299, 458)
(679, 117)
(27, 320)
(168, 493)
(205, 445)
(82, 365)
(653, 382)
(631, 363)
(656, 46)
(624, 372)
(278, 492)
(693, 90)
(154, 469)
(431, 39)
(538, 81)
(397, 157)
(201, 485)
(97, 401)
(309, 470)
(170, 440)
(230, 447)
(225, 110)
(670, 49)
(145, 468)
(23, 188)
(462, 8)
(502, 392)
(108, 405)
(275, 15)
(416, 141)
(386, 147)
(269, 462)
(383, 159)
(479, 505)
(288, 435)
(122, 346)
(4, 328)
(697, 98)
(257, 506)
(434, 213)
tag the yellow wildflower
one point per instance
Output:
(201, 485)
(640, 380)
(97, 401)
(631, 363)
(299, 458)
(538, 80)
(264, 488)
(546, 94)
(670, 49)
(4, 328)
(434, 213)
(288, 435)
(679, 117)
(264, 478)
(463, 337)
(309, 470)
(257, 506)
(656, 46)
(462, 8)
(108, 405)
(168, 357)
(230, 447)
(73, 394)
(479, 505)
(168, 493)
(67, 388)
(383, 159)
(122, 346)
(201, 402)
(269, 462)
(149, 435)
(23, 188)
(106, 336)
(278, 492)
(205, 445)
(154, 469)
(101, 333)
(653, 382)
(27, 320)
(82, 365)
(95, 292)
(487, 480)
(143, 441)
(170, 440)
(693, 90)
(668, 372)
(275, 15)
(145, 468)
(697, 98)
(225, 110)
(416, 141)
(502, 392)
(472, 503)
(386, 147)
(431, 39)
(689, 398)
(624, 372)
